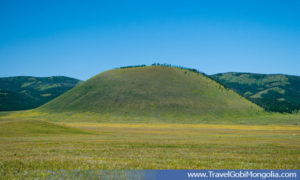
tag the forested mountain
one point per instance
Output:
(25, 92)
(275, 92)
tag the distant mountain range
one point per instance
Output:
(25, 92)
(275, 92)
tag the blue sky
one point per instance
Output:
(83, 38)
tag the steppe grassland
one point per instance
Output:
(263, 118)
(150, 146)
(39, 144)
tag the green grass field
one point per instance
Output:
(36, 148)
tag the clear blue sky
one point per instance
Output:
(83, 38)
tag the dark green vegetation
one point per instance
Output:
(280, 93)
(24, 92)
(153, 91)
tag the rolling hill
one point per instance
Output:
(275, 92)
(25, 92)
(152, 91)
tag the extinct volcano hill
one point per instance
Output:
(156, 91)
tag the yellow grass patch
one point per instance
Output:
(184, 126)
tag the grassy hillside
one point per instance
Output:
(280, 93)
(24, 92)
(153, 91)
